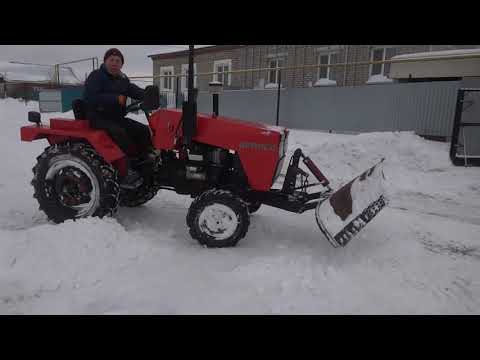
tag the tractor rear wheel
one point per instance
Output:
(218, 218)
(72, 181)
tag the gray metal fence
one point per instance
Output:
(426, 107)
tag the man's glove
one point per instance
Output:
(122, 100)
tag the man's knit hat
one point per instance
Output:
(113, 52)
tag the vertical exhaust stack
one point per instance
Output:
(189, 108)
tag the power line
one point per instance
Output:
(26, 63)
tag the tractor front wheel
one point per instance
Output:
(218, 218)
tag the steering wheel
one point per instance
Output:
(136, 105)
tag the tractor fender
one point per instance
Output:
(98, 139)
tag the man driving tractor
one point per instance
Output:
(106, 92)
(226, 165)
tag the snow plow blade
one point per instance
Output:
(342, 215)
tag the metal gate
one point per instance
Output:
(465, 145)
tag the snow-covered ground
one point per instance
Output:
(421, 255)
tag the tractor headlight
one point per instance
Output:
(282, 148)
(285, 145)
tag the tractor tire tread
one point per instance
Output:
(138, 197)
(224, 197)
(107, 177)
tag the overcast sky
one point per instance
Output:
(136, 60)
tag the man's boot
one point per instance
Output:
(152, 153)
(132, 180)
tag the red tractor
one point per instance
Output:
(227, 166)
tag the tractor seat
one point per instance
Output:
(79, 109)
(80, 123)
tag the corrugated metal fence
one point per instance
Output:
(425, 107)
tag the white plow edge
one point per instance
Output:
(364, 192)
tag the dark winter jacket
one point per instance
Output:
(102, 91)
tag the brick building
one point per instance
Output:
(220, 58)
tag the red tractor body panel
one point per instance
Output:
(61, 130)
(257, 144)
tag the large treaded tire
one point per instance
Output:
(222, 198)
(254, 207)
(137, 197)
(108, 196)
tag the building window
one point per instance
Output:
(184, 80)
(166, 79)
(380, 72)
(273, 73)
(326, 74)
(221, 69)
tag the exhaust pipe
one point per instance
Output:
(189, 108)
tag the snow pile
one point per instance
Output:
(36, 73)
(421, 255)
(379, 79)
(325, 82)
(409, 158)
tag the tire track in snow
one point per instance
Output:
(437, 205)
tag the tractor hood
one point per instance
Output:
(234, 134)
(261, 147)
(221, 131)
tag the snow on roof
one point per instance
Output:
(435, 54)
(37, 73)
(167, 49)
